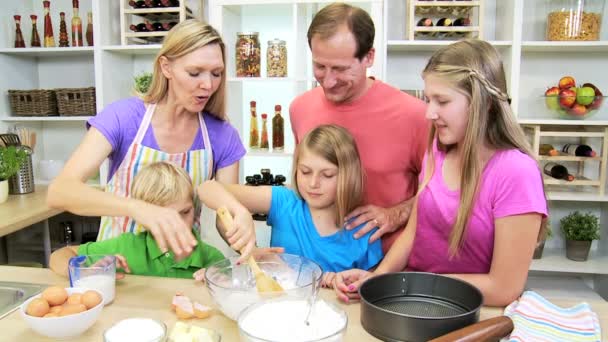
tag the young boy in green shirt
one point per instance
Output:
(165, 185)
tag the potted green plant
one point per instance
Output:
(540, 246)
(580, 230)
(11, 159)
(142, 82)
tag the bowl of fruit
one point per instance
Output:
(570, 101)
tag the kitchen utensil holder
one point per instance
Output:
(23, 181)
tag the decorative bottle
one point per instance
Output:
(19, 42)
(76, 26)
(35, 41)
(264, 140)
(557, 171)
(89, 34)
(278, 137)
(49, 39)
(253, 127)
(63, 31)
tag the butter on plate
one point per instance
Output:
(183, 332)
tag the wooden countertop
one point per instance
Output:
(150, 297)
(20, 211)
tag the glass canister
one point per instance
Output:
(574, 19)
(248, 58)
(276, 58)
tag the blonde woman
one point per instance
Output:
(308, 220)
(481, 205)
(181, 119)
(139, 254)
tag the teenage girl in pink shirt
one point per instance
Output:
(481, 206)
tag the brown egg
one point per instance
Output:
(50, 314)
(91, 299)
(70, 309)
(56, 309)
(75, 298)
(55, 295)
(37, 307)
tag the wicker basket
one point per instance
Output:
(76, 101)
(37, 102)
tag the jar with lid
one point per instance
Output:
(276, 58)
(248, 58)
(574, 19)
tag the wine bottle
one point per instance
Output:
(425, 22)
(444, 22)
(141, 27)
(557, 171)
(137, 4)
(547, 150)
(153, 3)
(579, 150)
(169, 3)
(462, 22)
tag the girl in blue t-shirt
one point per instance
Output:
(308, 219)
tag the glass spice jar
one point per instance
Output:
(574, 19)
(248, 58)
(276, 58)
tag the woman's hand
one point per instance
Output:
(241, 236)
(167, 228)
(347, 283)
(199, 275)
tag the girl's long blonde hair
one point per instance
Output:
(475, 68)
(182, 39)
(336, 145)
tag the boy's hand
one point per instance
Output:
(121, 262)
(199, 275)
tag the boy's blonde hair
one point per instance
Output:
(182, 39)
(336, 145)
(162, 183)
(474, 68)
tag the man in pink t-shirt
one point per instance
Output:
(388, 125)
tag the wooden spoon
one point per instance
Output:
(263, 282)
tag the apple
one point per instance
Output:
(567, 98)
(599, 97)
(551, 98)
(566, 82)
(585, 95)
(578, 109)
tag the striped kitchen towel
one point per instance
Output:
(537, 319)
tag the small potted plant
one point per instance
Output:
(580, 230)
(142, 82)
(540, 246)
(11, 159)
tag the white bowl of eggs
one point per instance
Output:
(62, 312)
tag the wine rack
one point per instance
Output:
(466, 13)
(582, 135)
(161, 17)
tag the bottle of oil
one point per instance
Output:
(254, 137)
(264, 140)
(278, 134)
